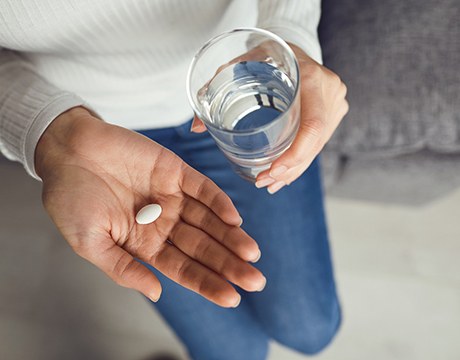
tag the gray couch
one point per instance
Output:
(400, 59)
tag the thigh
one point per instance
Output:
(208, 331)
(299, 305)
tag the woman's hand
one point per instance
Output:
(323, 105)
(97, 176)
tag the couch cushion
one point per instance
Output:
(401, 62)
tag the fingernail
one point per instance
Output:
(264, 182)
(241, 221)
(155, 297)
(259, 254)
(280, 170)
(275, 187)
(238, 301)
(263, 285)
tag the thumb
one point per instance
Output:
(197, 125)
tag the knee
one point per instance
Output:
(310, 335)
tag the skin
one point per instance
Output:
(96, 176)
(323, 106)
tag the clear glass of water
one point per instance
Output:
(244, 86)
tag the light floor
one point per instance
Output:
(398, 273)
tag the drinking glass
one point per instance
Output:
(244, 86)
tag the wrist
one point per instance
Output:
(299, 52)
(56, 142)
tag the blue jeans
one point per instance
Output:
(299, 306)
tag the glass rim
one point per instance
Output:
(214, 40)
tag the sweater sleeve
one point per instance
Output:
(28, 104)
(296, 21)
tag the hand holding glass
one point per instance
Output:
(244, 86)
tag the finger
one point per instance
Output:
(289, 166)
(290, 176)
(232, 237)
(307, 142)
(187, 272)
(122, 268)
(207, 192)
(276, 178)
(340, 110)
(204, 249)
(197, 125)
(294, 173)
(305, 146)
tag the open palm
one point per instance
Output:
(96, 180)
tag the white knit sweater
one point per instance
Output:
(125, 59)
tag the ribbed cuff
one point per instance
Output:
(44, 118)
(295, 21)
(28, 105)
(295, 35)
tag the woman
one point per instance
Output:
(65, 67)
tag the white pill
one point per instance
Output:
(148, 214)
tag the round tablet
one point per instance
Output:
(148, 214)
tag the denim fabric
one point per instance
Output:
(299, 306)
